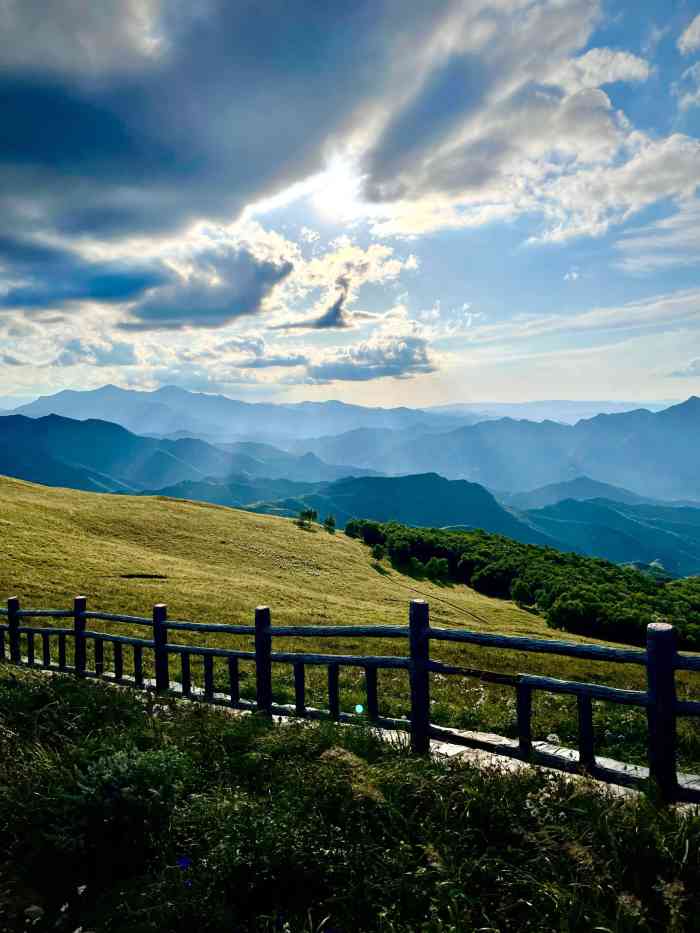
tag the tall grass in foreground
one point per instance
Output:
(124, 812)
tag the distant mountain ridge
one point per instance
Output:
(563, 410)
(580, 488)
(170, 410)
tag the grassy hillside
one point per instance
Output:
(212, 564)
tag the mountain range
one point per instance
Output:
(652, 454)
(172, 411)
(101, 456)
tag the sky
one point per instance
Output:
(388, 202)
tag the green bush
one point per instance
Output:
(437, 568)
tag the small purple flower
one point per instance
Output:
(184, 862)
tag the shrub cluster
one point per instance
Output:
(123, 815)
(575, 593)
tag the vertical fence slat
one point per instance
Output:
(13, 626)
(185, 674)
(45, 649)
(586, 739)
(419, 676)
(62, 651)
(118, 662)
(299, 688)
(99, 657)
(234, 681)
(263, 662)
(79, 607)
(523, 703)
(30, 648)
(138, 665)
(372, 696)
(661, 713)
(208, 677)
(334, 690)
(160, 646)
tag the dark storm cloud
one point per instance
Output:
(34, 275)
(227, 283)
(334, 318)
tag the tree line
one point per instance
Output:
(575, 593)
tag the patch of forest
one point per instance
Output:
(574, 593)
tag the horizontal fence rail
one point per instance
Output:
(46, 647)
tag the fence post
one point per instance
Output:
(263, 662)
(79, 607)
(13, 629)
(160, 641)
(661, 712)
(419, 677)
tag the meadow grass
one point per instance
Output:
(213, 564)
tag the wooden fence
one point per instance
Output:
(661, 660)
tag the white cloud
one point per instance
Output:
(77, 351)
(588, 202)
(598, 67)
(691, 371)
(689, 40)
(659, 311)
(378, 358)
(79, 38)
(671, 242)
(688, 88)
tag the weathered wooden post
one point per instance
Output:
(523, 700)
(372, 696)
(586, 736)
(13, 629)
(419, 676)
(263, 662)
(79, 608)
(661, 709)
(160, 646)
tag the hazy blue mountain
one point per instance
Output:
(580, 488)
(652, 454)
(625, 533)
(100, 455)
(566, 411)
(171, 410)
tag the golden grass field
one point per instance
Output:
(217, 564)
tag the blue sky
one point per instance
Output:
(389, 201)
